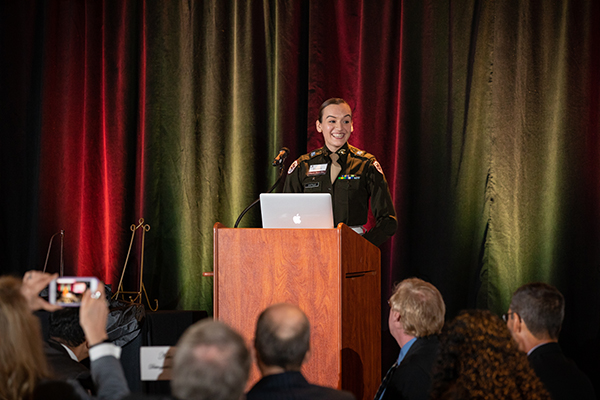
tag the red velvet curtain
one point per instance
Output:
(88, 135)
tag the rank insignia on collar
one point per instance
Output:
(293, 167)
(376, 165)
(342, 151)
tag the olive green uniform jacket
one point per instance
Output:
(360, 179)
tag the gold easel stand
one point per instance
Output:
(138, 295)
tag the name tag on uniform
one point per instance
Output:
(311, 185)
(317, 169)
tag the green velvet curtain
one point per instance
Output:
(214, 83)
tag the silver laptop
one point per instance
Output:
(296, 210)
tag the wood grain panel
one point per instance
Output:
(361, 315)
(317, 269)
(260, 267)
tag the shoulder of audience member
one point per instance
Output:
(140, 396)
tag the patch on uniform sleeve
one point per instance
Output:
(376, 165)
(293, 167)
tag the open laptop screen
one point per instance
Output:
(296, 210)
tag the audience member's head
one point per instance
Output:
(417, 309)
(23, 362)
(211, 362)
(478, 359)
(65, 328)
(282, 337)
(536, 309)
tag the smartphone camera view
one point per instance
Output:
(67, 291)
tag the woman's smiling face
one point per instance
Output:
(336, 125)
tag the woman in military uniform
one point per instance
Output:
(350, 175)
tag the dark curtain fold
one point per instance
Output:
(483, 114)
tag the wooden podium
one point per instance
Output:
(333, 275)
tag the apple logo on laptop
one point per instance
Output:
(296, 219)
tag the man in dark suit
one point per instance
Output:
(416, 318)
(67, 347)
(534, 319)
(282, 343)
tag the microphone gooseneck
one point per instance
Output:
(62, 243)
(277, 162)
(62, 234)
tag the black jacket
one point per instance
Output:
(413, 377)
(560, 376)
(292, 385)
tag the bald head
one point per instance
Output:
(286, 320)
(282, 336)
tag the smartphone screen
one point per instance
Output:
(68, 291)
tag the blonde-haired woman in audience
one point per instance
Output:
(23, 363)
(24, 372)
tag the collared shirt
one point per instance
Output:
(535, 347)
(71, 354)
(405, 349)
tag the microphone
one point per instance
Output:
(283, 153)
